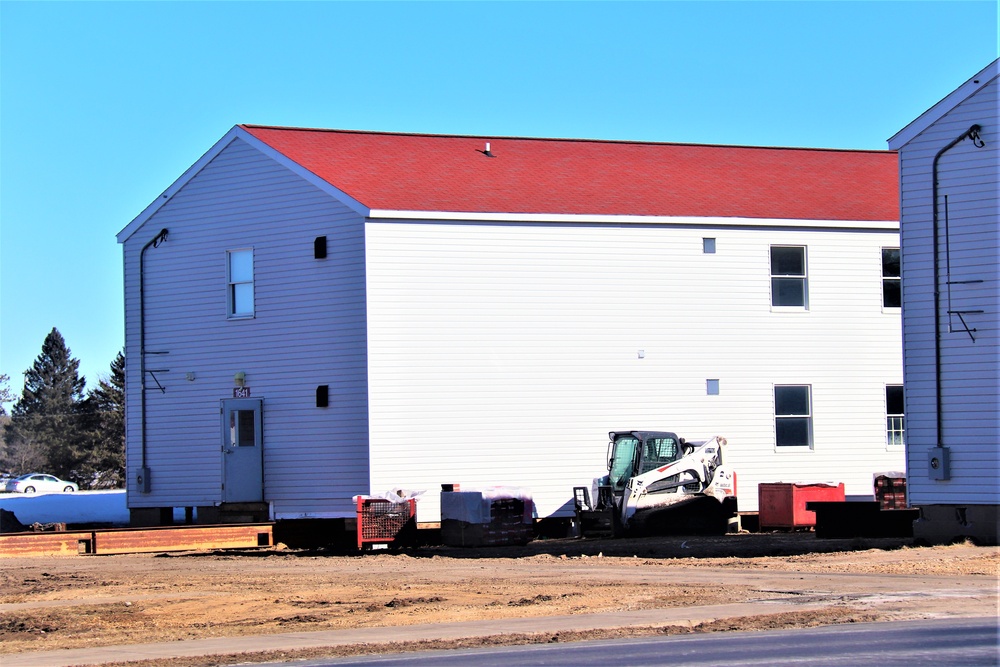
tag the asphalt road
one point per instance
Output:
(954, 642)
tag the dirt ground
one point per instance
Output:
(76, 602)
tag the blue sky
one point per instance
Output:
(103, 105)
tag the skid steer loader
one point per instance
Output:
(659, 483)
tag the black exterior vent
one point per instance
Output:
(319, 247)
(323, 396)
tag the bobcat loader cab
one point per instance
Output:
(658, 482)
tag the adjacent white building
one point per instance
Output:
(949, 163)
(316, 314)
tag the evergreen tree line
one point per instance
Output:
(58, 427)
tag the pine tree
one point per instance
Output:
(46, 429)
(105, 409)
(5, 397)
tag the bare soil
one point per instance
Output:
(77, 602)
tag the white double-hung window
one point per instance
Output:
(892, 296)
(240, 277)
(793, 415)
(895, 415)
(789, 282)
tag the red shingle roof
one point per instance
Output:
(416, 172)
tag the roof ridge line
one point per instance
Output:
(490, 137)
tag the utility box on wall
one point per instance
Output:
(783, 505)
(142, 480)
(939, 463)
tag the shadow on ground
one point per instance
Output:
(740, 545)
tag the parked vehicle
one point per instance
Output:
(659, 482)
(36, 482)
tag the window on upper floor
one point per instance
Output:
(895, 417)
(792, 415)
(892, 295)
(240, 277)
(789, 282)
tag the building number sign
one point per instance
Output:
(241, 392)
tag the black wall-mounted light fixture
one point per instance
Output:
(319, 247)
(322, 396)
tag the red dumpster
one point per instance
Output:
(783, 505)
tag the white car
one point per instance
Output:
(39, 483)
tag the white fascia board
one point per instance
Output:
(686, 221)
(932, 115)
(237, 133)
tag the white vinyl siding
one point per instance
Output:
(503, 354)
(308, 330)
(968, 177)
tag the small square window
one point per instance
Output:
(892, 292)
(792, 416)
(712, 387)
(789, 282)
(708, 246)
